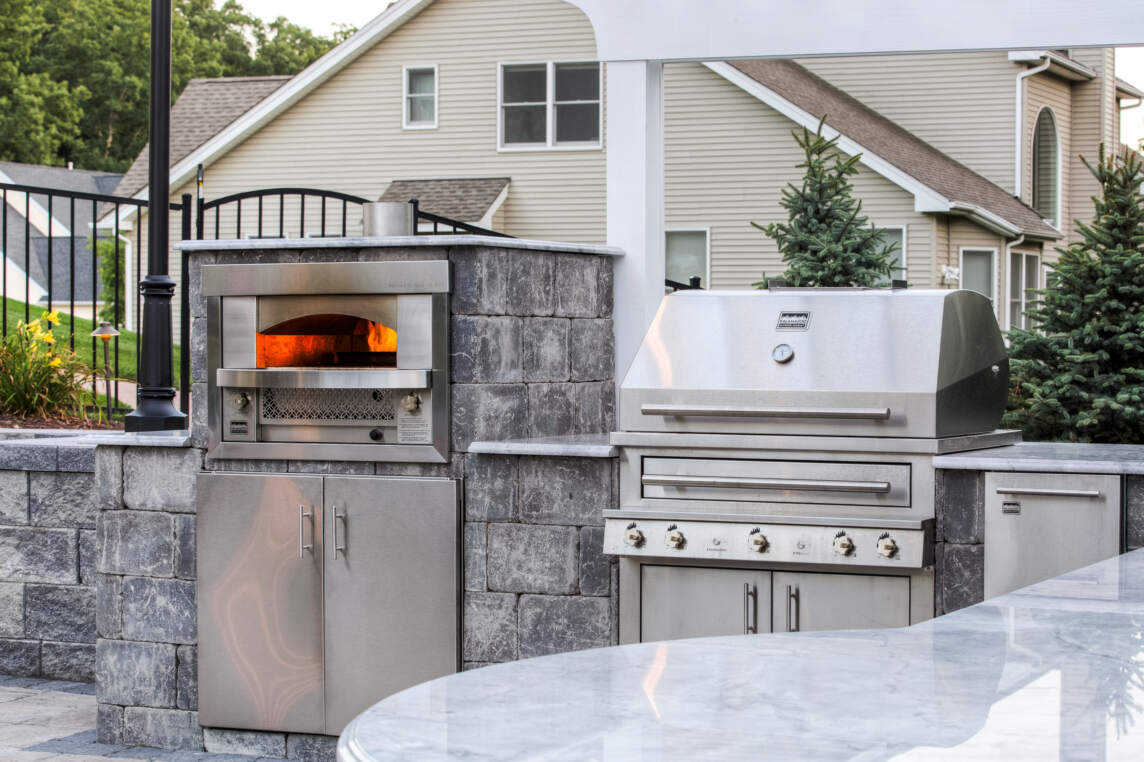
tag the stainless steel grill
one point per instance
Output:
(782, 439)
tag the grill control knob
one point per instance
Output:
(239, 400)
(757, 541)
(633, 536)
(674, 538)
(843, 545)
(887, 547)
(411, 403)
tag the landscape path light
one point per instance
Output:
(105, 331)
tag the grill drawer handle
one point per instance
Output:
(750, 623)
(303, 514)
(336, 518)
(1036, 492)
(856, 413)
(745, 482)
(792, 602)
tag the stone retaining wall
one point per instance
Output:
(47, 558)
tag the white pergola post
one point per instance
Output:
(634, 106)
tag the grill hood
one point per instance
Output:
(862, 362)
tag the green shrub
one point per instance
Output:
(37, 375)
(109, 294)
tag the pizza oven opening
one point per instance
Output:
(327, 341)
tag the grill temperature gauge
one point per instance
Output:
(783, 353)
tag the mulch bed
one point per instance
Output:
(8, 421)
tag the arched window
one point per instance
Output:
(1046, 167)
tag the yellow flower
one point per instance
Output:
(48, 338)
(53, 317)
(55, 363)
(34, 326)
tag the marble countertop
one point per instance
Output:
(1053, 671)
(1050, 457)
(571, 446)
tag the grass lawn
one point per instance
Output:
(83, 328)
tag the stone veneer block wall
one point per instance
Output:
(959, 535)
(47, 559)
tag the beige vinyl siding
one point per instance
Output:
(1043, 91)
(1094, 115)
(728, 157)
(960, 103)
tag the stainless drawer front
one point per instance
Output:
(777, 481)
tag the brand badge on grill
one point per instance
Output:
(793, 320)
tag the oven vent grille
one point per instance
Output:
(327, 404)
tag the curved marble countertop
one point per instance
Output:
(1055, 670)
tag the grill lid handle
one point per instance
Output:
(747, 482)
(722, 411)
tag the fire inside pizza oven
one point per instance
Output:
(333, 341)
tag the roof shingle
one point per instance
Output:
(465, 199)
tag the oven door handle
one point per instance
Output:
(723, 411)
(747, 482)
(322, 378)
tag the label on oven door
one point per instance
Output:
(414, 427)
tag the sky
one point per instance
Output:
(321, 17)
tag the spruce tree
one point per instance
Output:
(1078, 375)
(827, 241)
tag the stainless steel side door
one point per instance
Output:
(1039, 526)
(260, 601)
(694, 602)
(392, 588)
(805, 601)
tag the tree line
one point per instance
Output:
(75, 74)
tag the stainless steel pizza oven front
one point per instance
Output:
(328, 361)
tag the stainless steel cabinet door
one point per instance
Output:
(694, 602)
(806, 601)
(260, 601)
(392, 589)
(1039, 526)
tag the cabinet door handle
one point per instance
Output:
(303, 514)
(335, 518)
(1034, 491)
(750, 618)
(791, 602)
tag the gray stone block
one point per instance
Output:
(76, 458)
(185, 546)
(11, 610)
(555, 624)
(199, 418)
(596, 407)
(530, 283)
(564, 490)
(341, 467)
(198, 351)
(60, 612)
(607, 286)
(471, 665)
(476, 547)
(577, 286)
(38, 555)
(1134, 512)
(108, 606)
(247, 466)
(159, 610)
(454, 469)
(525, 558)
(486, 350)
(309, 748)
(108, 478)
(490, 488)
(544, 345)
(135, 674)
(109, 724)
(19, 658)
(61, 499)
(552, 409)
(88, 555)
(480, 281)
(960, 577)
(614, 604)
(488, 412)
(254, 743)
(13, 497)
(161, 478)
(490, 630)
(595, 567)
(136, 542)
(68, 661)
(28, 456)
(960, 506)
(162, 728)
(592, 348)
(187, 677)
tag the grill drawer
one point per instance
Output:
(777, 481)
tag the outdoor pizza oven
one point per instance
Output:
(328, 361)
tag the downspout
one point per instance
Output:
(1018, 154)
(1003, 296)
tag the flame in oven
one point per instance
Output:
(327, 341)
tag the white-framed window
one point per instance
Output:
(419, 97)
(686, 254)
(979, 271)
(549, 105)
(895, 235)
(1046, 159)
(1024, 279)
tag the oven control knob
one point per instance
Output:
(411, 403)
(633, 536)
(239, 400)
(843, 545)
(757, 541)
(674, 538)
(887, 547)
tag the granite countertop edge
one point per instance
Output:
(361, 242)
(1049, 457)
(572, 446)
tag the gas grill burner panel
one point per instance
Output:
(841, 362)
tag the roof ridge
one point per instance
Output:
(245, 78)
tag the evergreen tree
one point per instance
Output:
(827, 241)
(1079, 374)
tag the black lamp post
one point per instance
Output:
(106, 332)
(155, 408)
